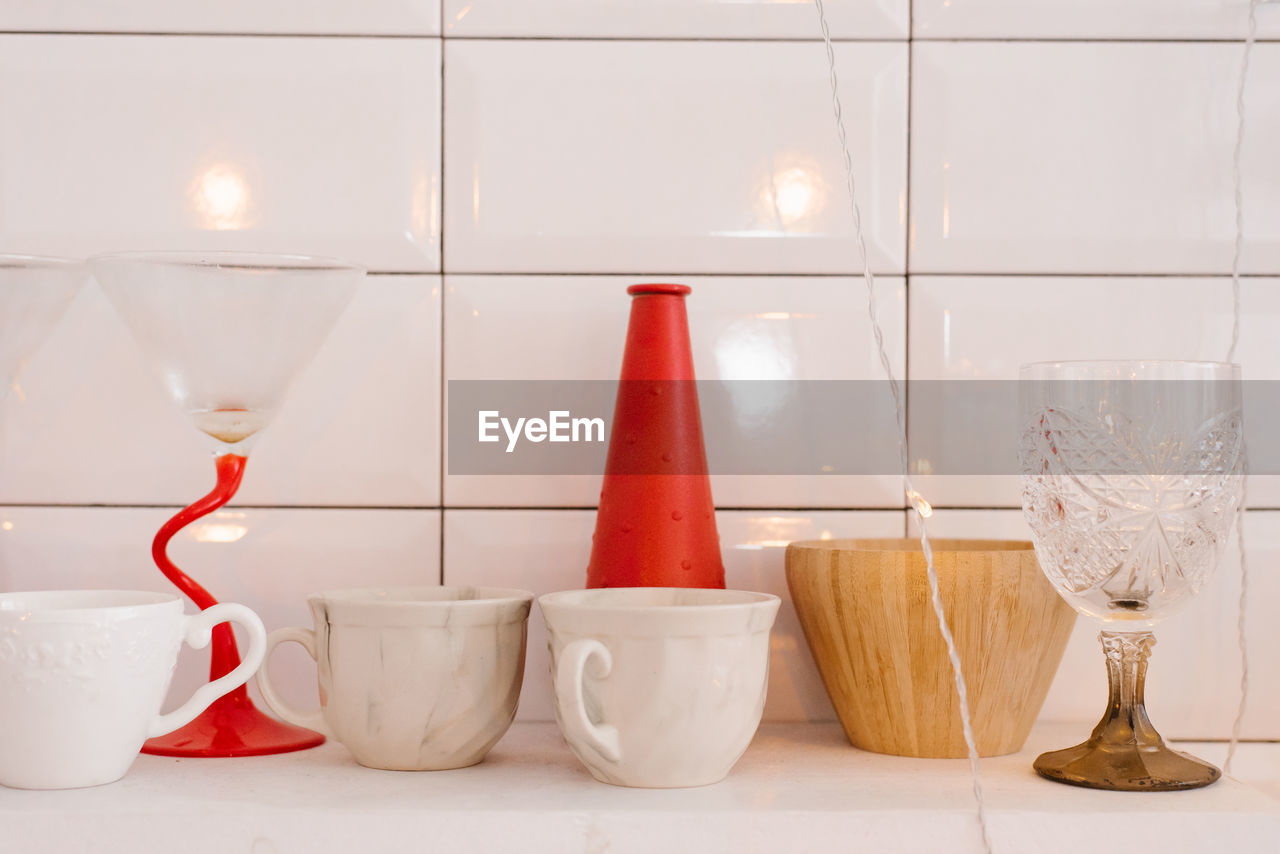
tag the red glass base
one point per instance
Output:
(233, 726)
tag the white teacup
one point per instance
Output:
(412, 678)
(83, 674)
(659, 687)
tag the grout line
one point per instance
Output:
(906, 261)
(633, 38)
(443, 297)
(393, 273)
(1059, 275)
(470, 38)
(212, 35)
(529, 507)
(53, 505)
(731, 509)
(842, 275)
(440, 518)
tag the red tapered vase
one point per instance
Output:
(656, 525)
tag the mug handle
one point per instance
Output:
(198, 633)
(307, 639)
(574, 660)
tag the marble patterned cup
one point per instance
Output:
(659, 687)
(83, 674)
(412, 678)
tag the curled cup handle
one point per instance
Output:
(198, 633)
(575, 658)
(311, 720)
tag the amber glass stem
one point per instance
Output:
(1125, 721)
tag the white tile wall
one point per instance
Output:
(546, 550)
(89, 424)
(682, 19)
(761, 328)
(1089, 157)
(370, 17)
(958, 335)
(586, 146)
(194, 143)
(1090, 19)
(269, 559)
(1194, 682)
(668, 157)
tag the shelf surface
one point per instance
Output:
(800, 787)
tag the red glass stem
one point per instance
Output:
(225, 655)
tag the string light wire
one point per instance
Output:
(919, 506)
(1251, 34)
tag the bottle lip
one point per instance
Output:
(661, 289)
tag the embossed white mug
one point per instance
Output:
(412, 678)
(659, 687)
(83, 674)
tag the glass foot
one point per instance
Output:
(1125, 753)
(233, 726)
(1126, 767)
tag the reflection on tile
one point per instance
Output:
(669, 157)
(547, 550)
(1090, 19)
(379, 17)
(269, 560)
(1090, 158)
(98, 152)
(711, 19)
(985, 327)
(1193, 683)
(90, 424)
(572, 327)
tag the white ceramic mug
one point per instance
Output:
(659, 687)
(83, 674)
(412, 678)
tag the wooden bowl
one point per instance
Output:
(866, 612)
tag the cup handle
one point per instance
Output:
(310, 720)
(198, 633)
(574, 660)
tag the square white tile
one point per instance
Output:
(1090, 157)
(372, 17)
(1193, 683)
(88, 423)
(1090, 19)
(711, 19)
(763, 328)
(547, 550)
(631, 156)
(269, 560)
(985, 327)
(323, 146)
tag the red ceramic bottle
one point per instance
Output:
(656, 526)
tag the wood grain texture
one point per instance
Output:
(866, 613)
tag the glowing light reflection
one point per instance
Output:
(221, 198)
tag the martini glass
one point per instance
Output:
(1132, 475)
(226, 333)
(34, 294)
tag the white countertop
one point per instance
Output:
(800, 787)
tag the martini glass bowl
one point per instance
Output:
(34, 294)
(226, 334)
(1132, 475)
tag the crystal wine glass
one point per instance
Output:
(226, 334)
(1132, 473)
